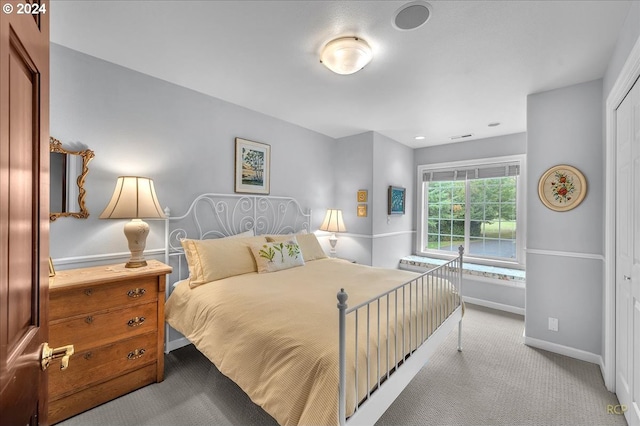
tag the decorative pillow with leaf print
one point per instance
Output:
(276, 256)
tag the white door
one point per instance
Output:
(628, 256)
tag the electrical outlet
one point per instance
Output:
(553, 324)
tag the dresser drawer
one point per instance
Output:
(90, 397)
(100, 311)
(99, 329)
(83, 299)
(99, 364)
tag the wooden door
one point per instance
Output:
(628, 256)
(24, 210)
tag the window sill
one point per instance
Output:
(512, 276)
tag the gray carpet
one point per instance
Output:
(496, 380)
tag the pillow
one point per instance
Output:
(309, 245)
(211, 260)
(276, 256)
(249, 233)
(282, 237)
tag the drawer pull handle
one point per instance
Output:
(88, 320)
(88, 291)
(134, 322)
(88, 356)
(138, 292)
(136, 354)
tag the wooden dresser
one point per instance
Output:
(114, 317)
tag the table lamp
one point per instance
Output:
(333, 223)
(134, 198)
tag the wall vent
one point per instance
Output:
(460, 137)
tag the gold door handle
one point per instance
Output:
(48, 354)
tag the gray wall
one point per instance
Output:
(565, 263)
(627, 38)
(392, 235)
(184, 140)
(514, 144)
(353, 171)
(373, 162)
(493, 292)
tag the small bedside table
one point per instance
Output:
(114, 317)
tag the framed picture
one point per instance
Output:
(362, 210)
(562, 188)
(362, 196)
(253, 167)
(396, 200)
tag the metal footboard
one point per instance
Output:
(407, 316)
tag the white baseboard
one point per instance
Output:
(603, 368)
(494, 305)
(176, 344)
(564, 350)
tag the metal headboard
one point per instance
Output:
(221, 215)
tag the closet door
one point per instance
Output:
(628, 255)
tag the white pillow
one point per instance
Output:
(276, 256)
(309, 245)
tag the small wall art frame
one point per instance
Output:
(396, 200)
(362, 196)
(252, 167)
(562, 188)
(362, 210)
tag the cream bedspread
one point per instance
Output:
(276, 334)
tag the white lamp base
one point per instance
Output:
(333, 240)
(136, 232)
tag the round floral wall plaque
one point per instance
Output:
(562, 188)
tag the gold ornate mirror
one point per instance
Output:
(68, 172)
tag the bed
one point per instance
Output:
(280, 334)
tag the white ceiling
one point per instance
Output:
(472, 63)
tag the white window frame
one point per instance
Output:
(521, 232)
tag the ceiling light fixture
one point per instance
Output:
(493, 124)
(346, 55)
(419, 138)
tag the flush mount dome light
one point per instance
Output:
(346, 55)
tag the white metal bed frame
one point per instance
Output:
(214, 215)
(423, 341)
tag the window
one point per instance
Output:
(476, 205)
